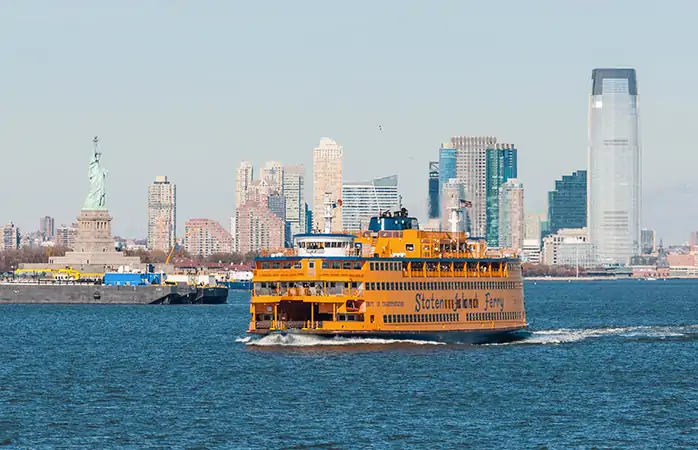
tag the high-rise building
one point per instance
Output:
(501, 165)
(294, 193)
(567, 204)
(614, 177)
(243, 178)
(308, 219)
(67, 235)
(471, 171)
(47, 228)
(327, 179)
(533, 226)
(365, 199)
(448, 158)
(10, 237)
(273, 173)
(648, 239)
(511, 215)
(433, 200)
(162, 214)
(205, 237)
(257, 228)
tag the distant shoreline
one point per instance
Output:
(611, 278)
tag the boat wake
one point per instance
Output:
(645, 332)
(539, 337)
(290, 340)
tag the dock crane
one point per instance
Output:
(169, 256)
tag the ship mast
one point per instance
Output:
(328, 214)
(454, 212)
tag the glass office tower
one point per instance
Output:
(614, 176)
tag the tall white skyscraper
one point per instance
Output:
(243, 179)
(366, 199)
(294, 195)
(614, 182)
(327, 178)
(162, 214)
(471, 171)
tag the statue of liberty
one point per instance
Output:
(97, 197)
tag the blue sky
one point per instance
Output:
(188, 89)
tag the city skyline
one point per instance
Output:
(394, 78)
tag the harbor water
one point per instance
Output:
(611, 364)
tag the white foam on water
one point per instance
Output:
(569, 335)
(299, 340)
(244, 339)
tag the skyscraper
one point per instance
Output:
(614, 177)
(471, 170)
(567, 204)
(243, 179)
(47, 228)
(273, 173)
(365, 199)
(501, 166)
(294, 193)
(10, 237)
(327, 178)
(511, 215)
(162, 214)
(433, 201)
(448, 158)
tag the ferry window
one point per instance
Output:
(385, 319)
(286, 265)
(325, 264)
(265, 265)
(358, 265)
(311, 264)
(373, 286)
(346, 265)
(381, 266)
(354, 285)
(409, 247)
(275, 265)
(382, 286)
(392, 286)
(297, 265)
(373, 266)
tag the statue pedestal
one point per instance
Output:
(94, 246)
(94, 232)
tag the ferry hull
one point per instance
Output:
(447, 337)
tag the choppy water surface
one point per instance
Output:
(610, 364)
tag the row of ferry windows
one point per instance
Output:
(451, 317)
(346, 265)
(398, 266)
(439, 285)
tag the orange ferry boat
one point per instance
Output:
(391, 281)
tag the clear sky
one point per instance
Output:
(188, 89)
